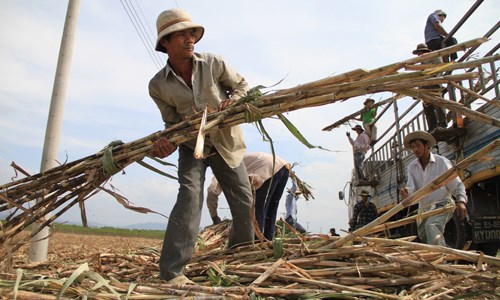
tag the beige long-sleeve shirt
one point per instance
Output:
(212, 81)
(259, 166)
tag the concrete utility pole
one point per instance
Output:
(40, 242)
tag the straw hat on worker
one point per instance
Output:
(421, 48)
(173, 20)
(419, 135)
(365, 193)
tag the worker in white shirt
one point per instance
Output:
(420, 172)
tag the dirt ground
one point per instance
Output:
(71, 250)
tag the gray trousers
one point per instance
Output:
(431, 230)
(184, 221)
(358, 165)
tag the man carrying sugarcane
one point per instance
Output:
(420, 172)
(189, 83)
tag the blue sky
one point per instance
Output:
(266, 41)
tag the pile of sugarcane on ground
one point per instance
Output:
(293, 266)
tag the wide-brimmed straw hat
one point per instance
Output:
(421, 48)
(173, 20)
(358, 127)
(364, 193)
(419, 135)
(369, 100)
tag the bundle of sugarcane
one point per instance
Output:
(71, 183)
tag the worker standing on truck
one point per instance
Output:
(368, 118)
(360, 146)
(435, 115)
(435, 33)
(420, 172)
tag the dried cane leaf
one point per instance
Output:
(19, 275)
(79, 271)
(101, 282)
(150, 167)
(123, 201)
(297, 133)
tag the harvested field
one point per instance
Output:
(292, 267)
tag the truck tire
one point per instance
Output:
(490, 249)
(454, 233)
(411, 230)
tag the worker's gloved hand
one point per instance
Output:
(163, 148)
(216, 220)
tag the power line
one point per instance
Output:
(146, 39)
(150, 34)
(151, 31)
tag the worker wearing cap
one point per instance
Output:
(189, 83)
(435, 33)
(424, 170)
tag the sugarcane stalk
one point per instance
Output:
(453, 106)
(339, 287)
(390, 225)
(465, 255)
(200, 141)
(355, 114)
(268, 272)
(474, 94)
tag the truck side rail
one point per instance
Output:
(389, 150)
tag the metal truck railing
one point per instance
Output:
(390, 150)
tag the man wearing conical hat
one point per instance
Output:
(424, 169)
(189, 83)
